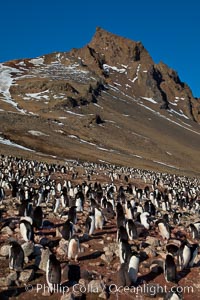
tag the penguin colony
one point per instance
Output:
(143, 208)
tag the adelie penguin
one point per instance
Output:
(16, 257)
(99, 218)
(123, 276)
(53, 273)
(194, 251)
(120, 215)
(37, 217)
(128, 210)
(170, 273)
(79, 201)
(133, 267)
(186, 254)
(131, 230)
(150, 208)
(194, 232)
(164, 229)
(26, 230)
(124, 251)
(175, 294)
(90, 224)
(177, 218)
(172, 249)
(144, 220)
(73, 248)
(72, 216)
(122, 235)
(67, 230)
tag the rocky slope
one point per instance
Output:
(105, 102)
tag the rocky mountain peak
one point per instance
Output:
(121, 61)
(117, 49)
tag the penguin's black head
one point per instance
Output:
(13, 243)
(52, 257)
(128, 204)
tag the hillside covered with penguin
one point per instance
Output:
(99, 176)
(97, 231)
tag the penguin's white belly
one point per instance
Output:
(73, 249)
(145, 223)
(47, 278)
(163, 231)
(99, 221)
(175, 297)
(128, 214)
(133, 268)
(91, 231)
(23, 232)
(79, 207)
(186, 257)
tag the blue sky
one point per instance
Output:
(169, 30)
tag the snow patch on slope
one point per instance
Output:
(12, 144)
(107, 69)
(37, 133)
(6, 81)
(37, 61)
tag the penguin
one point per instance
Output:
(111, 204)
(144, 220)
(79, 201)
(37, 217)
(104, 202)
(164, 229)
(166, 218)
(99, 218)
(72, 214)
(124, 252)
(131, 230)
(73, 273)
(67, 230)
(194, 232)
(184, 255)
(56, 205)
(172, 249)
(93, 205)
(133, 267)
(53, 272)
(90, 223)
(122, 235)
(120, 215)
(79, 205)
(16, 256)
(150, 208)
(128, 210)
(177, 218)
(25, 208)
(123, 276)
(174, 294)
(26, 230)
(108, 210)
(139, 208)
(170, 273)
(73, 248)
(194, 251)
(197, 225)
